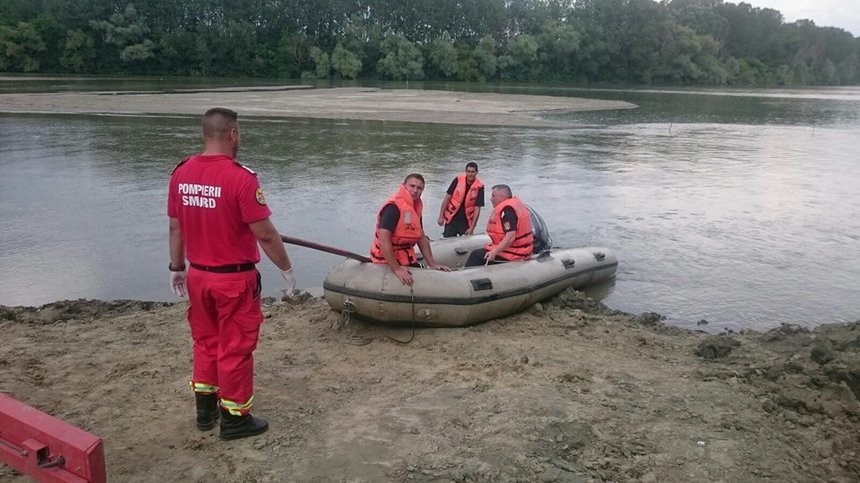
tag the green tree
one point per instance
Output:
(485, 57)
(13, 12)
(239, 52)
(78, 51)
(19, 48)
(701, 16)
(322, 63)
(467, 66)
(686, 57)
(754, 33)
(345, 63)
(827, 73)
(745, 72)
(400, 60)
(559, 45)
(292, 55)
(674, 41)
(848, 70)
(594, 56)
(364, 39)
(520, 60)
(53, 32)
(201, 54)
(443, 56)
(127, 33)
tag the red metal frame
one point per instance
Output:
(47, 448)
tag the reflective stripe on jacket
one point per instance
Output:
(521, 248)
(407, 232)
(459, 196)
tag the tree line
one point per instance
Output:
(693, 42)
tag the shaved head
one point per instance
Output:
(221, 131)
(218, 122)
(503, 189)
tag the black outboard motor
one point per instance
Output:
(543, 243)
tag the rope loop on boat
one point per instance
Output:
(412, 294)
(348, 309)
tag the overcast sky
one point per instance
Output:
(844, 14)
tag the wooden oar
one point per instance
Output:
(324, 248)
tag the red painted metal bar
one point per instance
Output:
(47, 448)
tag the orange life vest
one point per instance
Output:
(407, 232)
(523, 244)
(459, 196)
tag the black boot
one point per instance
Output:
(207, 410)
(235, 427)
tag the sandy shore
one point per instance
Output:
(567, 391)
(340, 103)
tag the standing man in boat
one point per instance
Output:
(399, 228)
(218, 214)
(462, 204)
(510, 230)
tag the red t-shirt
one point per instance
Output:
(215, 199)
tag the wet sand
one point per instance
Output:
(566, 391)
(339, 103)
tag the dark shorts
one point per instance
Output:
(476, 259)
(455, 228)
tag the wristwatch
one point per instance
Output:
(180, 269)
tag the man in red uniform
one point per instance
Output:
(510, 230)
(399, 228)
(218, 214)
(461, 207)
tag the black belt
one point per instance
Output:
(234, 268)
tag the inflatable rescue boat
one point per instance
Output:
(464, 296)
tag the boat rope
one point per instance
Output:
(348, 309)
(412, 294)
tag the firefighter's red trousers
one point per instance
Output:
(225, 317)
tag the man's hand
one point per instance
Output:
(443, 268)
(470, 230)
(177, 283)
(441, 220)
(289, 282)
(490, 255)
(404, 275)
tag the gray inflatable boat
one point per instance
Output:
(463, 296)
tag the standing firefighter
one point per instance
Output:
(218, 214)
(461, 207)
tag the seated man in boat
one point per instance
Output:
(510, 230)
(461, 207)
(399, 227)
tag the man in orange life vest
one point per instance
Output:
(510, 230)
(462, 205)
(218, 214)
(399, 228)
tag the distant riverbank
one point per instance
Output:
(375, 104)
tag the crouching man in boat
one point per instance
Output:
(399, 228)
(510, 230)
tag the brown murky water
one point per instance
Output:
(737, 207)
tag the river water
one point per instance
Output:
(737, 207)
